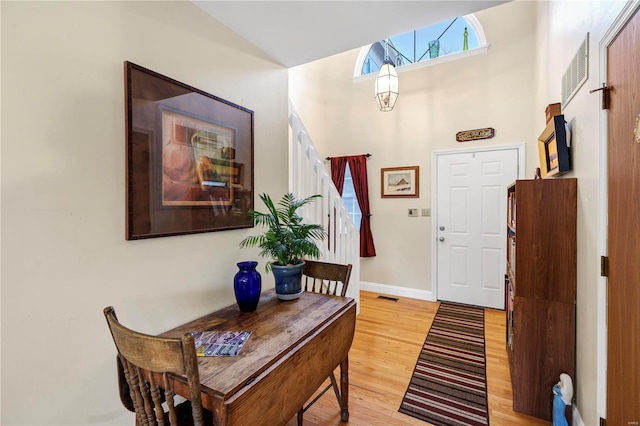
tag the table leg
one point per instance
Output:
(344, 389)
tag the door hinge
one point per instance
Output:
(603, 422)
(604, 266)
(605, 95)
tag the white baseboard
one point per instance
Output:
(577, 420)
(393, 290)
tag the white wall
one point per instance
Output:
(562, 26)
(307, 94)
(64, 256)
(489, 90)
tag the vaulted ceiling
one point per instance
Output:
(297, 32)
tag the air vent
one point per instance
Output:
(576, 74)
(393, 299)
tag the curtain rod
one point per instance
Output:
(366, 155)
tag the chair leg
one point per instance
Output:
(334, 385)
(344, 412)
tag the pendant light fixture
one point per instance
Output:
(387, 83)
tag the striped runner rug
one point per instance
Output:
(449, 383)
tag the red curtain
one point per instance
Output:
(358, 168)
(338, 168)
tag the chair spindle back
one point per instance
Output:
(141, 356)
(327, 278)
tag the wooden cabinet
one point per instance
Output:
(541, 290)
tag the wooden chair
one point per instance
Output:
(326, 278)
(331, 279)
(141, 356)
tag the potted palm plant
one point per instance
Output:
(287, 240)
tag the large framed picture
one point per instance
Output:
(189, 158)
(400, 182)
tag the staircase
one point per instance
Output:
(308, 176)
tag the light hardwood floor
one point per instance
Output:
(387, 342)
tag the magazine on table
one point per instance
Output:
(220, 343)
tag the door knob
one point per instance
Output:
(441, 228)
(441, 239)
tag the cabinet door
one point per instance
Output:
(543, 348)
(546, 239)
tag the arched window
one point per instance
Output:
(459, 37)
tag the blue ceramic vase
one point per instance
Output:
(247, 285)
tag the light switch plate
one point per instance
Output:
(426, 212)
(413, 212)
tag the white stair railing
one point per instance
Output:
(308, 176)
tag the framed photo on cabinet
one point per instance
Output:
(553, 148)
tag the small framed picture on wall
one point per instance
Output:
(400, 182)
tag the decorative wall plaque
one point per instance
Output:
(472, 135)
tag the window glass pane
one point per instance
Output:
(427, 43)
(350, 200)
(371, 64)
(374, 60)
(453, 39)
(403, 47)
(427, 34)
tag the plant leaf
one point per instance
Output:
(286, 239)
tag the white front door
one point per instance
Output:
(471, 221)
